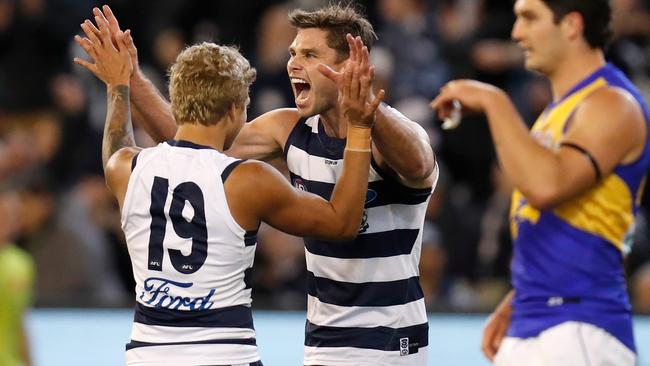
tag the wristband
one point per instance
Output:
(358, 139)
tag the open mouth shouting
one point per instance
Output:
(301, 89)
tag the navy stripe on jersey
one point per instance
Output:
(300, 129)
(250, 238)
(379, 338)
(227, 170)
(188, 144)
(134, 161)
(373, 245)
(380, 193)
(238, 316)
(317, 144)
(248, 277)
(387, 293)
(247, 341)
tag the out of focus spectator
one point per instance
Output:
(271, 89)
(16, 285)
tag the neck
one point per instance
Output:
(332, 125)
(574, 69)
(213, 136)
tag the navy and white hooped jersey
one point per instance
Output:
(365, 305)
(191, 260)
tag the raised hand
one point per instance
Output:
(106, 15)
(356, 100)
(472, 95)
(115, 30)
(112, 62)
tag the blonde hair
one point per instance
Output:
(337, 19)
(206, 80)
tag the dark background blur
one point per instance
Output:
(52, 115)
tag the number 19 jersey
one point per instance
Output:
(191, 260)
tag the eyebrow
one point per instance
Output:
(304, 50)
(525, 13)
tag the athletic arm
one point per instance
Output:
(608, 124)
(113, 66)
(264, 137)
(496, 326)
(399, 143)
(403, 146)
(151, 109)
(261, 193)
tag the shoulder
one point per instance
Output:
(285, 117)
(118, 168)
(254, 183)
(252, 172)
(610, 103)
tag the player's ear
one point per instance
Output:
(232, 112)
(573, 25)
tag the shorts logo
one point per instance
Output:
(404, 346)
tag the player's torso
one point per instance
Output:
(371, 282)
(191, 260)
(568, 260)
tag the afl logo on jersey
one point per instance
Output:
(298, 183)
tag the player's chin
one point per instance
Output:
(305, 110)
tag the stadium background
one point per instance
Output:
(52, 115)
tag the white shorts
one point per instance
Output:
(566, 344)
(345, 356)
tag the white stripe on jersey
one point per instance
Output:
(317, 168)
(348, 356)
(192, 355)
(163, 334)
(396, 316)
(361, 270)
(395, 216)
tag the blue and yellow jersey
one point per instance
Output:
(568, 261)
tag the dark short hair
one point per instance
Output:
(596, 15)
(338, 19)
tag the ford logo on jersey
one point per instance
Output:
(157, 293)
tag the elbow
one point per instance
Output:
(349, 235)
(542, 198)
(346, 231)
(419, 169)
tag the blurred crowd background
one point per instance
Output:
(54, 204)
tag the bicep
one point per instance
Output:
(295, 211)
(599, 139)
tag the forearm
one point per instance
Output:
(532, 168)
(350, 190)
(505, 306)
(118, 131)
(403, 148)
(151, 109)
